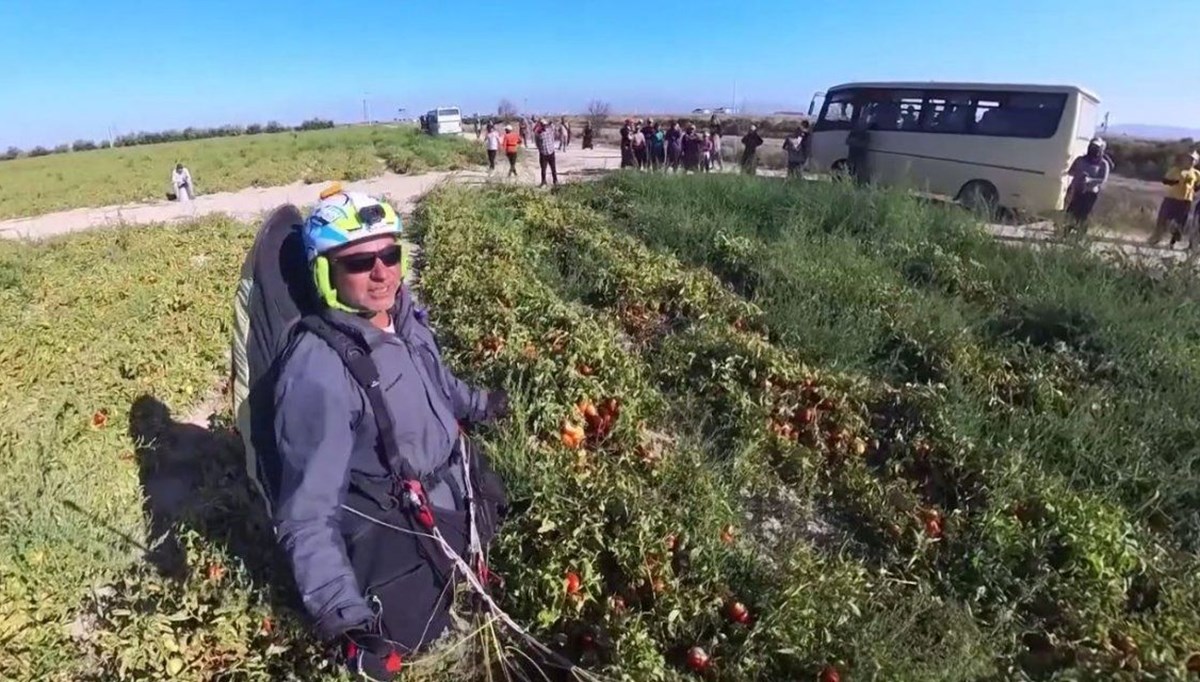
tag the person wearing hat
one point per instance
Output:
(1088, 174)
(1176, 207)
(511, 142)
(546, 143)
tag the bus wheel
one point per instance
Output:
(979, 197)
(840, 169)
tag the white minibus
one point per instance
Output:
(444, 121)
(985, 144)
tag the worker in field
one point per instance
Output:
(1173, 213)
(1088, 175)
(511, 142)
(379, 501)
(751, 141)
(546, 143)
(181, 183)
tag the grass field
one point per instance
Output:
(32, 186)
(902, 450)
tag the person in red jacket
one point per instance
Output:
(511, 143)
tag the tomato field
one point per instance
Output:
(762, 431)
(854, 433)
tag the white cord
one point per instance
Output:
(473, 581)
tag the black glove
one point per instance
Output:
(370, 656)
(497, 405)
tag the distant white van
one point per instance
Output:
(444, 121)
(981, 143)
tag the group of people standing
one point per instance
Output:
(549, 138)
(650, 145)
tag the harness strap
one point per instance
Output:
(407, 486)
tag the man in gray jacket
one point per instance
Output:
(367, 577)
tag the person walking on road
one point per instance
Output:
(587, 135)
(546, 143)
(512, 142)
(751, 141)
(492, 144)
(1173, 213)
(181, 181)
(1088, 174)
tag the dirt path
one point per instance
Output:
(248, 204)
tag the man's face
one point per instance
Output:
(361, 274)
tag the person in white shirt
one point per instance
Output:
(181, 180)
(492, 143)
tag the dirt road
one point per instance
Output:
(248, 204)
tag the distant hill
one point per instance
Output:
(1153, 132)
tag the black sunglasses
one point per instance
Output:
(364, 262)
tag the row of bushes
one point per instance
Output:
(1146, 159)
(189, 133)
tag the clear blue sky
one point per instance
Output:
(72, 68)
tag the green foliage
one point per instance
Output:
(1146, 159)
(31, 186)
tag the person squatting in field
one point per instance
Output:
(344, 478)
(1173, 212)
(181, 183)
(1088, 174)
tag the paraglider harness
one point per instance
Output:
(404, 489)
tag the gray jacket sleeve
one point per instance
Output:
(314, 411)
(468, 402)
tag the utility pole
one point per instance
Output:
(366, 113)
(1104, 126)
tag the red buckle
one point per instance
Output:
(414, 495)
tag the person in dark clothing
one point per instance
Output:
(857, 144)
(796, 149)
(674, 138)
(587, 135)
(627, 144)
(751, 141)
(1088, 174)
(691, 150)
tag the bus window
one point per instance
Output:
(895, 110)
(447, 112)
(838, 112)
(948, 113)
(1024, 114)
